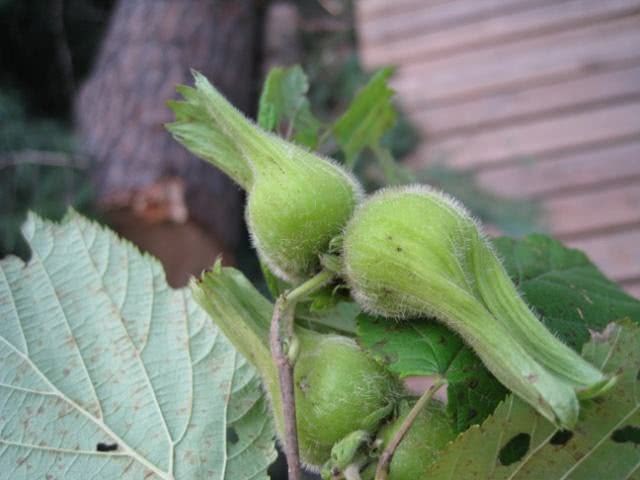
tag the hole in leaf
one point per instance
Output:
(473, 413)
(638, 375)
(232, 435)
(514, 449)
(106, 447)
(561, 437)
(627, 434)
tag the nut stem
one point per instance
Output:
(281, 336)
(382, 470)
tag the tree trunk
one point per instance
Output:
(143, 178)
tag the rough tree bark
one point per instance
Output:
(153, 191)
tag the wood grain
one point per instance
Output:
(525, 104)
(565, 173)
(552, 57)
(503, 26)
(400, 22)
(617, 254)
(632, 289)
(369, 10)
(594, 210)
(535, 139)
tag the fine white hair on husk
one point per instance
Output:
(456, 205)
(222, 106)
(277, 265)
(369, 298)
(424, 190)
(273, 266)
(365, 388)
(359, 289)
(232, 123)
(290, 149)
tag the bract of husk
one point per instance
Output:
(413, 251)
(339, 388)
(297, 201)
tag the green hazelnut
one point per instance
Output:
(297, 201)
(420, 446)
(294, 209)
(411, 252)
(339, 389)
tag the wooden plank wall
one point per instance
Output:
(541, 98)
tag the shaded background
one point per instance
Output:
(82, 108)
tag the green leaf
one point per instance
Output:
(97, 352)
(339, 317)
(284, 99)
(568, 291)
(369, 116)
(517, 443)
(561, 284)
(275, 285)
(419, 347)
(426, 348)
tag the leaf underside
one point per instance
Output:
(106, 372)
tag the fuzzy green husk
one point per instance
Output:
(416, 252)
(297, 201)
(338, 387)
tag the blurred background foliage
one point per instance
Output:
(39, 170)
(48, 49)
(40, 165)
